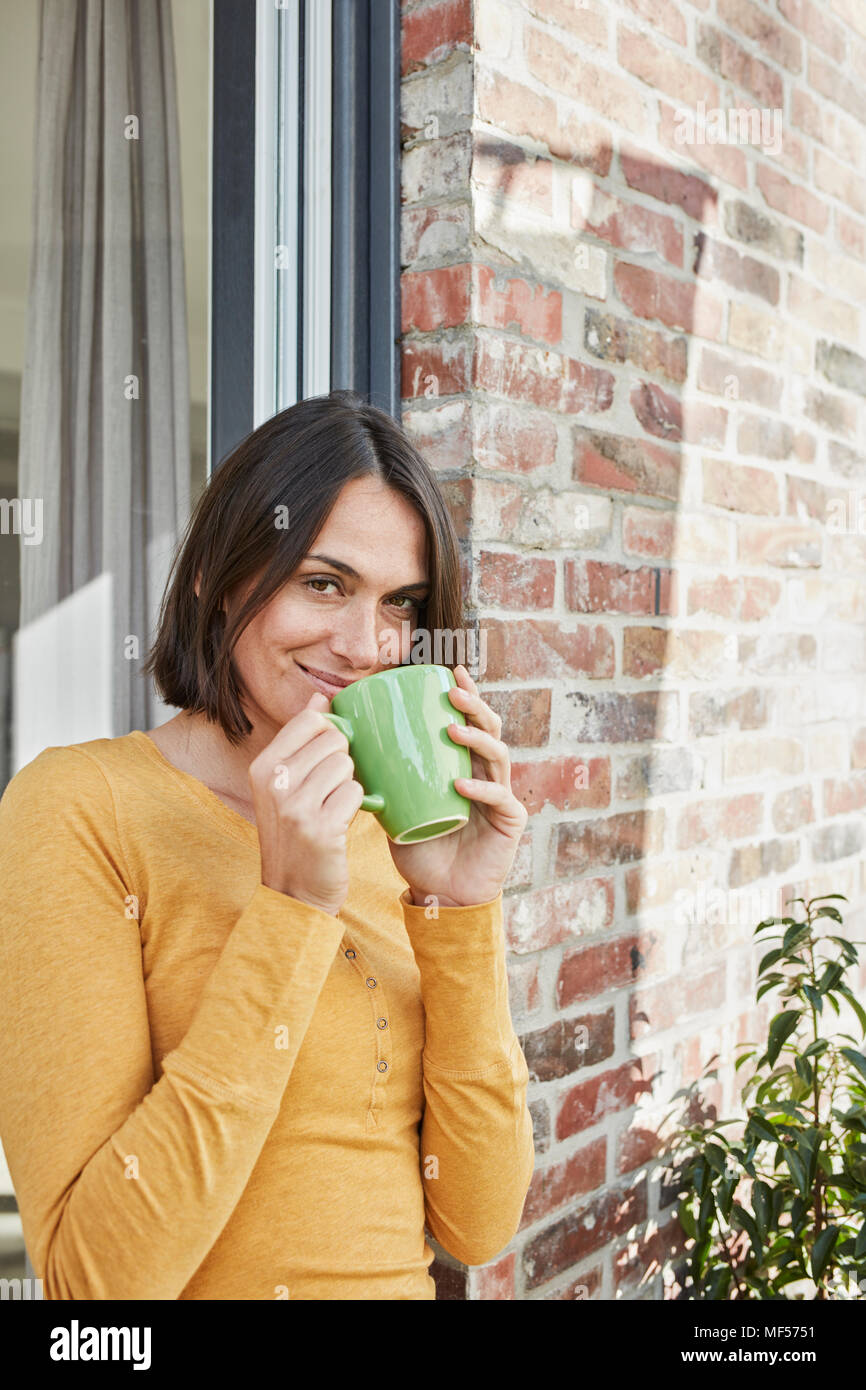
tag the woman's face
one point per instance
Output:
(343, 625)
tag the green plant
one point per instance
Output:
(801, 1158)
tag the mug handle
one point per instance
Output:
(372, 802)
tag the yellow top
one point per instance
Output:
(211, 1090)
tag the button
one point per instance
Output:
(371, 982)
(350, 955)
(381, 1023)
(381, 1066)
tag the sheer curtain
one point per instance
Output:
(104, 441)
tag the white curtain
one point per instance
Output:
(104, 439)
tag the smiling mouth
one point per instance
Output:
(336, 682)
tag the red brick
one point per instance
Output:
(649, 651)
(646, 1257)
(433, 369)
(536, 648)
(568, 783)
(740, 488)
(648, 174)
(586, 21)
(525, 715)
(598, 586)
(495, 1281)
(629, 465)
(832, 83)
(851, 235)
(435, 298)
(618, 964)
(585, 845)
(678, 303)
(726, 376)
(523, 373)
(531, 309)
(614, 339)
(515, 581)
(613, 1091)
(726, 57)
(653, 1009)
(838, 180)
(429, 33)
(521, 111)
(774, 40)
(663, 15)
(791, 199)
(715, 261)
(507, 169)
(663, 70)
(727, 818)
(547, 916)
(844, 794)
(512, 439)
(563, 70)
(578, 1234)
(630, 226)
(558, 1184)
(726, 162)
(816, 25)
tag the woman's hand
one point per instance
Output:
(470, 865)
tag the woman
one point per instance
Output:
(251, 1045)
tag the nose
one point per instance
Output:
(358, 635)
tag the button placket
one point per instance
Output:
(382, 1024)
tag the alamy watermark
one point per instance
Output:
(20, 510)
(743, 125)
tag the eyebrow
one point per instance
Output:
(340, 565)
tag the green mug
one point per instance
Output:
(396, 722)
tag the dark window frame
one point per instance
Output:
(365, 210)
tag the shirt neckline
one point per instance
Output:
(227, 817)
(230, 819)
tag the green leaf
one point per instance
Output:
(794, 935)
(803, 1070)
(814, 998)
(855, 1058)
(816, 1048)
(831, 976)
(860, 1243)
(687, 1220)
(849, 950)
(762, 1203)
(823, 896)
(828, 912)
(797, 1171)
(821, 1250)
(769, 959)
(745, 1221)
(745, 1057)
(716, 1156)
(762, 1128)
(781, 1027)
(855, 1005)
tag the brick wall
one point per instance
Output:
(635, 355)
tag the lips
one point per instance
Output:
(325, 680)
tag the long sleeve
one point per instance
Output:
(124, 1185)
(477, 1151)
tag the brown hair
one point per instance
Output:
(298, 460)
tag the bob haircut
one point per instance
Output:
(294, 465)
